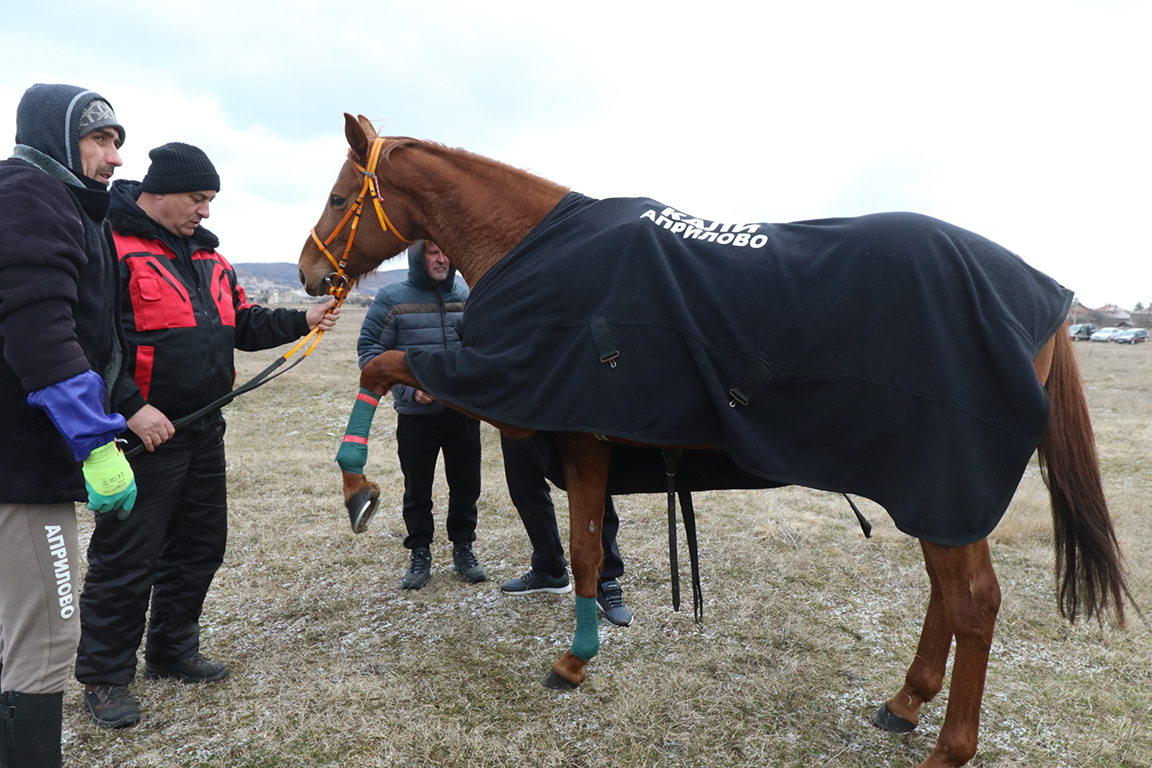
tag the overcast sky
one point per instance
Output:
(1027, 122)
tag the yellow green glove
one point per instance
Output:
(109, 480)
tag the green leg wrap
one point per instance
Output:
(353, 453)
(586, 644)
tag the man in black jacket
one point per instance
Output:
(59, 376)
(183, 315)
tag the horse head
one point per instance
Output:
(339, 251)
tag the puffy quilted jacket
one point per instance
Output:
(418, 313)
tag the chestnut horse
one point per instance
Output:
(477, 210)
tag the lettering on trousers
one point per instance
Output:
(692, 228)
(59, 550)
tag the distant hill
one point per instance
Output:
(262, 280)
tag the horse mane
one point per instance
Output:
(458, 154)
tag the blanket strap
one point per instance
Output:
(749, 382)
(671, 457)
(689, 516)
(865, 526)
(604, 342)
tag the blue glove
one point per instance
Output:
(109, 479)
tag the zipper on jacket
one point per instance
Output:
(166, 279)
(443, 317)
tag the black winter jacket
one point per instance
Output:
(58, 300)
(182, 324)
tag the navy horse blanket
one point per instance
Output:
(887, 356)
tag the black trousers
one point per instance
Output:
(419, 441)
(524, 463)
(164, 555)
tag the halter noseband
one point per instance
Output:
(371, 186)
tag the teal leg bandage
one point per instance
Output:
(353, 453)
(586, 644)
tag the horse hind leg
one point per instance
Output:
(925, 677)
(968, 597)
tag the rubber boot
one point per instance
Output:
(30, 728)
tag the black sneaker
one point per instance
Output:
(197, 668)
(464, 563)
(537, 582)
(419, 571)
(610, 598)
(112, 706)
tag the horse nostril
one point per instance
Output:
(302, 280)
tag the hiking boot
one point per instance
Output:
(537, 582)
(419, 571)
(112, 706)
(197, 668)
(610, 598)
(464, 563)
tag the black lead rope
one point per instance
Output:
(259, 379)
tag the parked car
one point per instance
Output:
(1105, 334)
(1131, 336)
(1081, 331)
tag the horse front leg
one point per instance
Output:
(585, 461)
(970, 594)
(361, 495)
(925, 676)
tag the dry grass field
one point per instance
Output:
(808, 627)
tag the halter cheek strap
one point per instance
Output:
(370, 187)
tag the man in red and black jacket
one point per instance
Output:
(183, 315)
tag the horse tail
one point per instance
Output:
(1089, 566)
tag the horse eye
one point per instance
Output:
(336, 201)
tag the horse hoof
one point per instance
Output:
(361, 507)
(886, 720)
(557, 682)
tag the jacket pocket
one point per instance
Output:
(158, 301)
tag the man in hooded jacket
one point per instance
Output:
(423, 312)
(59, 378)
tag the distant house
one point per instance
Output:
(1078, 313)
(1111, 314)
(1142, 318)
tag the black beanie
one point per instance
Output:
(180, 167)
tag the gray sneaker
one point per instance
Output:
(111, 706)
(610, 598)
(464, 563)
(537, 582)
(419, 571)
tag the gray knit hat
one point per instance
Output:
(180, 167)
(52, 118)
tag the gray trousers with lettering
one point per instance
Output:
(39, 612)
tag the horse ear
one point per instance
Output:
(369, 129)
(357, 138)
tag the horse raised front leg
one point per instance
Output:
(586, 475)
(361, 496)
(967, 594)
